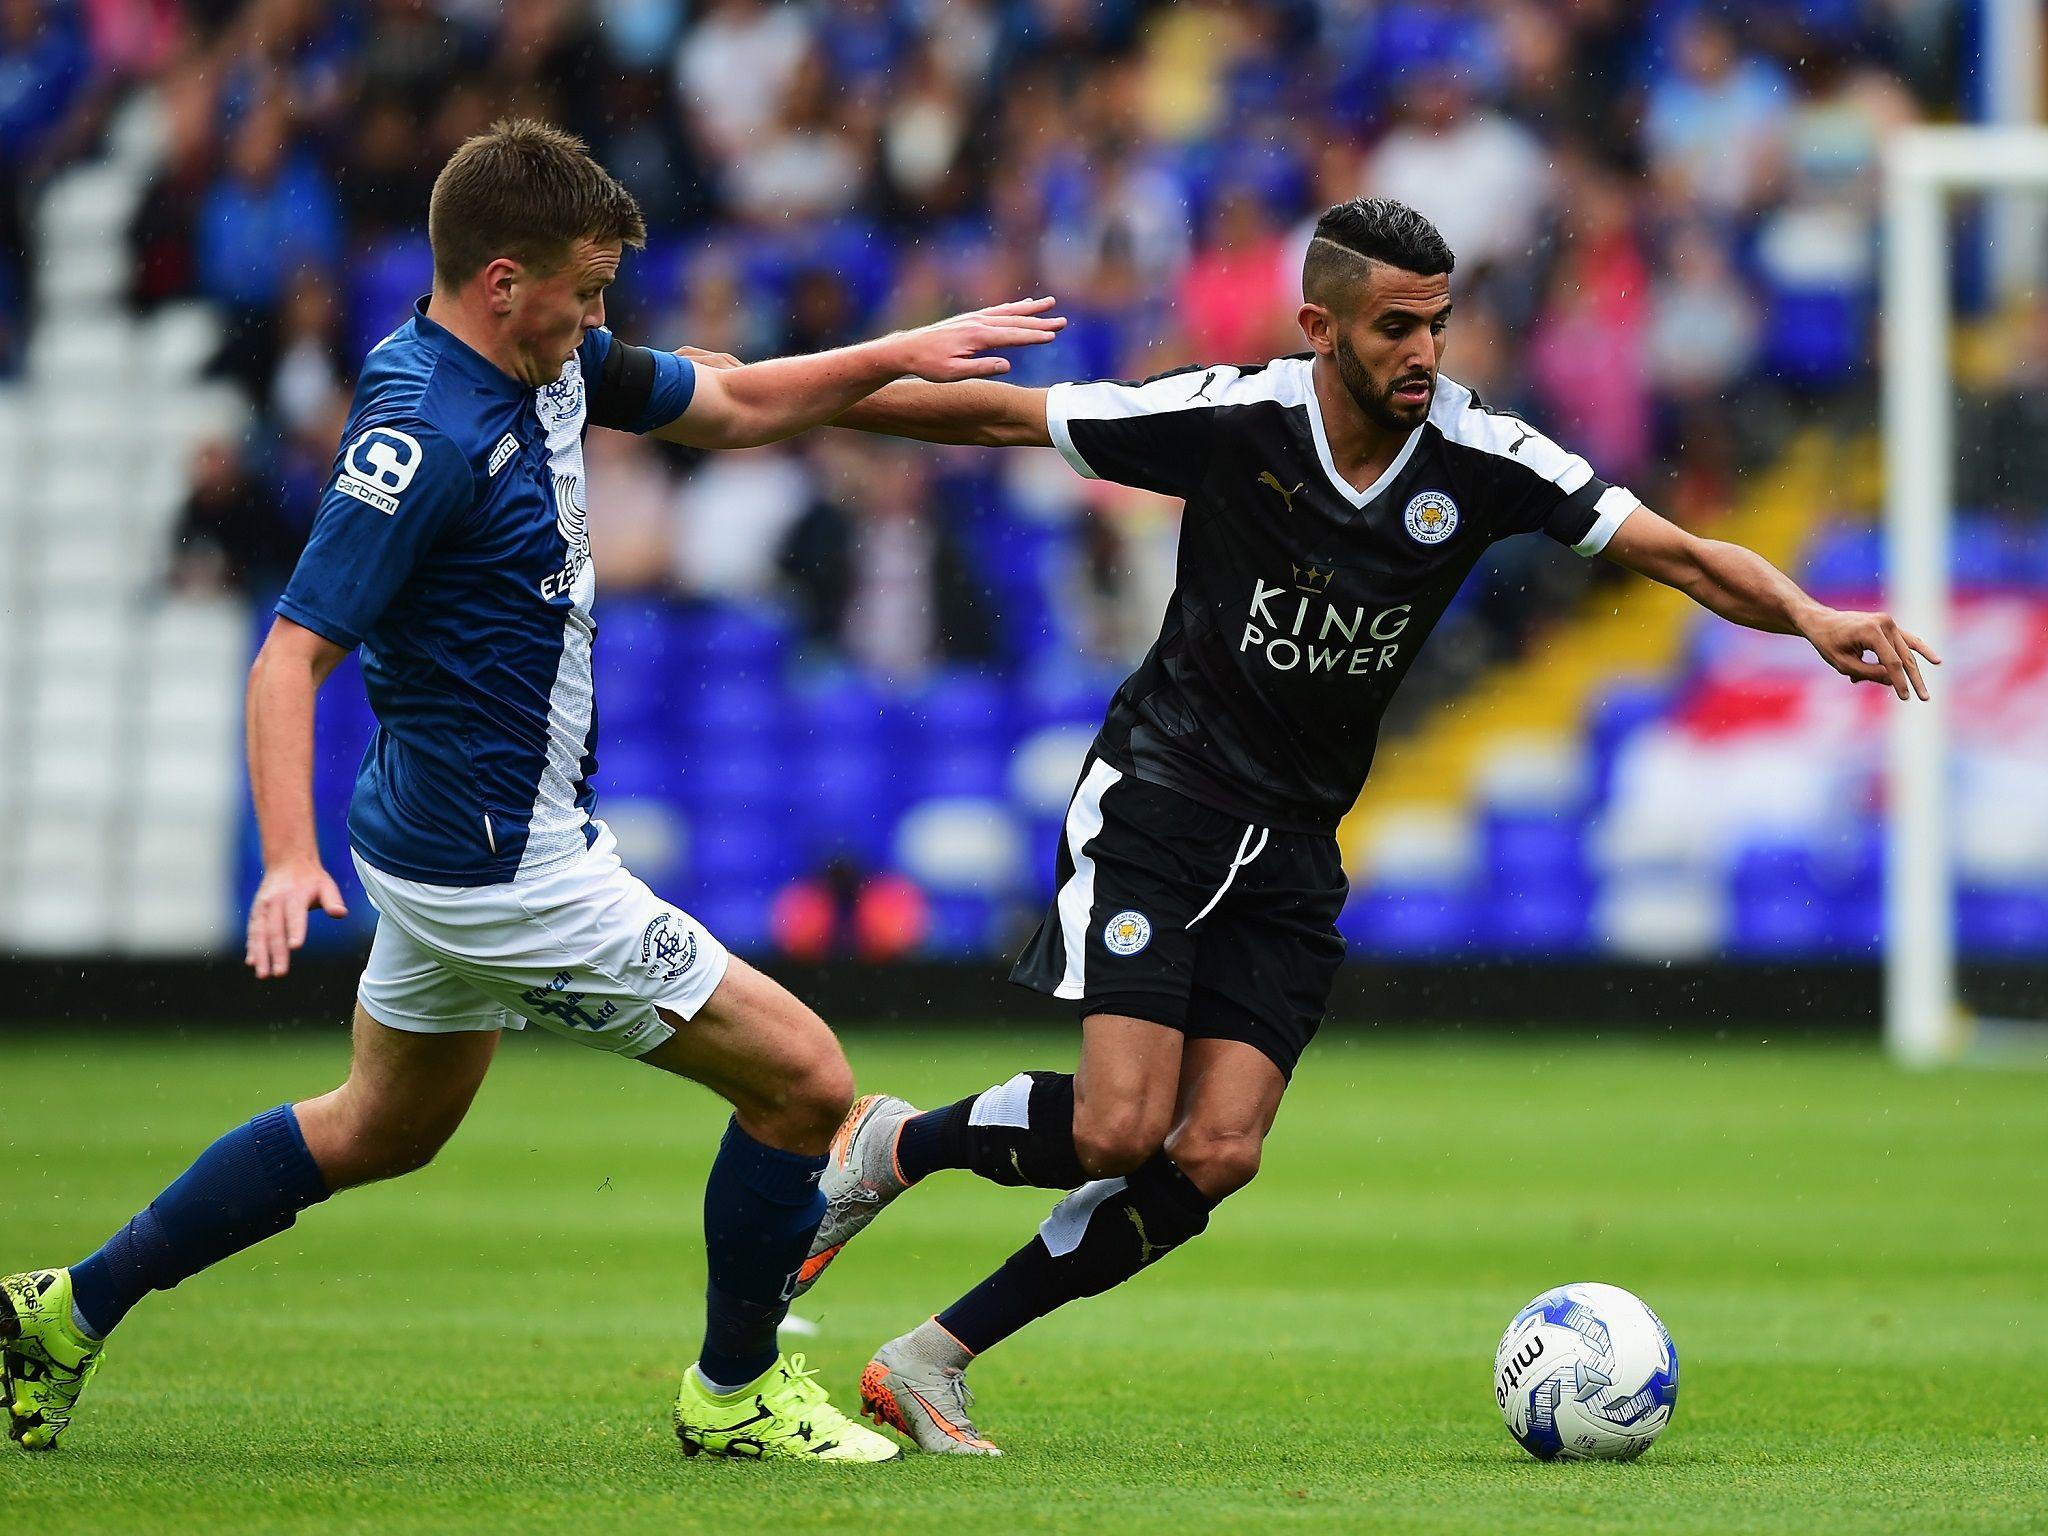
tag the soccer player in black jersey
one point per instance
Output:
(1335, 502)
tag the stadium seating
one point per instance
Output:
(119, 702)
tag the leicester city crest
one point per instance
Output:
(1431, 518)
(1127, 933)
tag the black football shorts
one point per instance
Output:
(1173, 912)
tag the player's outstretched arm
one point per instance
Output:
(987, 415)
(1742, 586)
(288, 671)
(757, 403)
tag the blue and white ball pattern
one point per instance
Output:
(1586, 1372)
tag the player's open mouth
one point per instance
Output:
(1414, 391)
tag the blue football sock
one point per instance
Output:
(761, 1209)
(249, 1185)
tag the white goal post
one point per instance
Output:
(1924, 1022)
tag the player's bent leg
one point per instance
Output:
(783, 1072)
(407, 1090)
(405, 1095)
(1046, 1129)
(765, 1053)
(1230, 1096)
(1124, 1092)
(1053, 1130)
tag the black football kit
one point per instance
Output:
(1199, 878)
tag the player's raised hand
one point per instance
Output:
(951, 350)
(1872, 648)
(277, 917)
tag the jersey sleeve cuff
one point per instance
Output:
(1609, 513)
(1061, 433)
(324, 627)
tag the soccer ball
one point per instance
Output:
(1586, 1371)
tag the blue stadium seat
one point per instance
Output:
(963, 925)
(1413, 921)
(966, 708)
(2003, 921)
(751, 856)
(1814, 337)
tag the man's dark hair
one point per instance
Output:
(526, 191)
(1352, 236)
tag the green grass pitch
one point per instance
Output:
(1854, 1262)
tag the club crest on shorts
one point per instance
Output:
(1127, 933)
(1431, 518)
(667, 948)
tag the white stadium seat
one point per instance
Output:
(961, 845)
(1046, 766)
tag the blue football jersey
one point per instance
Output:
(450, 546)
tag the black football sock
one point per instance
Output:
(1096, 1238)
(1018, 1132)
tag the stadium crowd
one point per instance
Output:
(1667, 207)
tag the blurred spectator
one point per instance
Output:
(1702, 341)
(1237, 302)
(842, 914)
(640, 35)
(1481, 177)
(44, 84)
(736, 67)
(310, 365)
(807, 160)
(878, 570)
(1586, 354)
(230, 537)
(732, 516)
(632, 541)
(270, 213)
(2002, 432)
(164, 235)
(1712, 122)
(1821, 235)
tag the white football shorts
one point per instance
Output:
(587, 951)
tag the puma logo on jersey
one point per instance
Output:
(1207, 379)
(1516, 445)
(1267, 477)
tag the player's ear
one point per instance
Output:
(1320, 327)
(498, 278)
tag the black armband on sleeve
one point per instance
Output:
(625, 384)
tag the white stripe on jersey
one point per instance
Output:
(1107, 400)
(554, 827)
(1287, 381)
(1290, 381)
(1076, 901)
(1453, 414)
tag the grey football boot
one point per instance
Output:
(860, 1178)
(917, 1384)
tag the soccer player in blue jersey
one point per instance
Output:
(450, 549)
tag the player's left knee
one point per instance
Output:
(827, 1091)
(805, 1108)
(1217, 1162)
